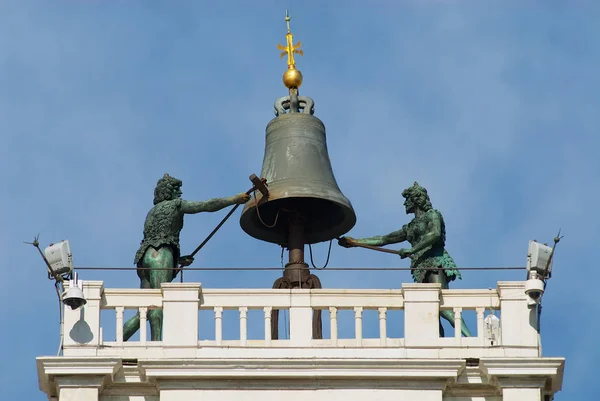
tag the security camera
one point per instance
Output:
(74, 297)
(534, 288)
(74, 303)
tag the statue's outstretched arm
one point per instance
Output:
(380, 240)
(434, 234)
(212, 205)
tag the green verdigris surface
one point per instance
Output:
(159, 251)
(426, 233)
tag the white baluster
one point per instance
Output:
(243, 325)
(457, 323)
(333, 325)
(143, 324)
(383, 326)
(268, 310)
(358, 324)
(218, 324)
(119, 334)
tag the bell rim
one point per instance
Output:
(249, 218)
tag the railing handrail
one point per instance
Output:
(257, 298)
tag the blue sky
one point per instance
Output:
(493, 106)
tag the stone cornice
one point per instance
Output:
(524, 372)
(438, 369)
(81, 372)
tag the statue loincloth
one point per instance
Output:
(433, 259)
(156, 244)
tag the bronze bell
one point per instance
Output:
(304, 204)
(300, 180)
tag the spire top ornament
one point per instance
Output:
(292, 78)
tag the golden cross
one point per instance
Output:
(290, 49)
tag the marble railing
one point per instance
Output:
(97, 328)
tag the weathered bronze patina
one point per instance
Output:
(305, 204)
(159, 253)
(430, 262)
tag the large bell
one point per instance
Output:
(300, 180)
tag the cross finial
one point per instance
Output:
(292, 78)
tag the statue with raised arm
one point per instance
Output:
(159, 253)
(427, 235)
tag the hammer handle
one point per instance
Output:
(259, 184)
(377, 248)
(215, 230)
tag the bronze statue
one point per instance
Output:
(427, 235)
(159, 252)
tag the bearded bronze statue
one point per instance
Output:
(426, 232)
(158, 257)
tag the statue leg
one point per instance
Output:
(158, 259)
(438, 276)
(133, 324)
(317, 325)
(279, 283)
(449, 316)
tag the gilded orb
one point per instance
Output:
(292, 78)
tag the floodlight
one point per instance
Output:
(59, 258)
(74, 297)
(539, 259)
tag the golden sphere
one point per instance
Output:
(292, 78)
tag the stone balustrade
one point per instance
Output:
(217, 345)
(85, 333)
